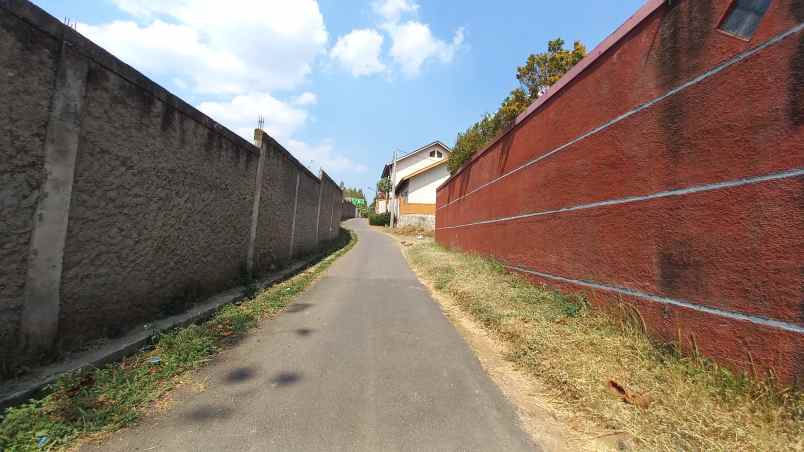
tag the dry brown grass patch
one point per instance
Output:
(603, 368)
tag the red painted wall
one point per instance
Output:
(694, 198)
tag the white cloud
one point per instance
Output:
(233, 57)
(282, 120)
(323, 155)
(392, 10)
(414, 44)
(359, 52)
(232, 49)
(306, 98)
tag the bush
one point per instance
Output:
(380, 219)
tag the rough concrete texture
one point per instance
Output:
(349, 210)
(161, 209)
(733, 248)
(162, 199)
(419, 221)
(25, 89)
(276, 209)
(19, 390)
(40, 316)
(304, 240)
(364, 360)
(331, 198)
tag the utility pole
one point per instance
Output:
(392, 196)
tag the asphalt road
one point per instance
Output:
(364, 360)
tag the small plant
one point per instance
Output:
(380, 219)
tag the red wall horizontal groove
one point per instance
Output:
(737, 249)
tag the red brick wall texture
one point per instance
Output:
(667, 174)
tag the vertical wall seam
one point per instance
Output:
(331, 217)
(295, 208)
(42, 300)
(318, 209)
(255, 209)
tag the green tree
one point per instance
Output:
(539, 72)
(542, 70)
(350, 192)
(384, 185)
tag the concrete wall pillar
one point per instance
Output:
(40, 315)
(255, 210)
(318, 209)
(295, 209)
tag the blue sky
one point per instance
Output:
(341, 83)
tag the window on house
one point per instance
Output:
(436, 154)
(743, 17)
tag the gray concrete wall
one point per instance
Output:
(26, 87)
(277, 224)
(330, 210)
(305, 237)
(419, 221)
(119, 201)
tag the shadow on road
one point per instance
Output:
(285, 379)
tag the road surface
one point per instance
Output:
(364, 360)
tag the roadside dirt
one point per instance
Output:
(539, 417)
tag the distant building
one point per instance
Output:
(380, 203)
(414, 179)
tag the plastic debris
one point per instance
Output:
(155, 360)
(42, 440)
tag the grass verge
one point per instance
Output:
(603, 372)
(109, 398)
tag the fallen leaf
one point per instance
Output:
(639, 400)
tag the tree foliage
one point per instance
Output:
(350, 192)
(384, 185)
(537, 74)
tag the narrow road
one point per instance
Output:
(364, 360)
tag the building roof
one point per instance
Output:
(386, 171)
(648, 8)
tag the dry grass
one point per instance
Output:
(673, 402)
(411, 231)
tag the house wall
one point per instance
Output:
(422, 188)
(119, 200)
(669, 175)
(415, 162)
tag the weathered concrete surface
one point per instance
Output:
(161, 206)
(276, 209)
(161, 210)
(40, 315)
(363, 361)
(329, 209)
(421, 221)
(304, 240)
(16, 391)
(24, 113)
